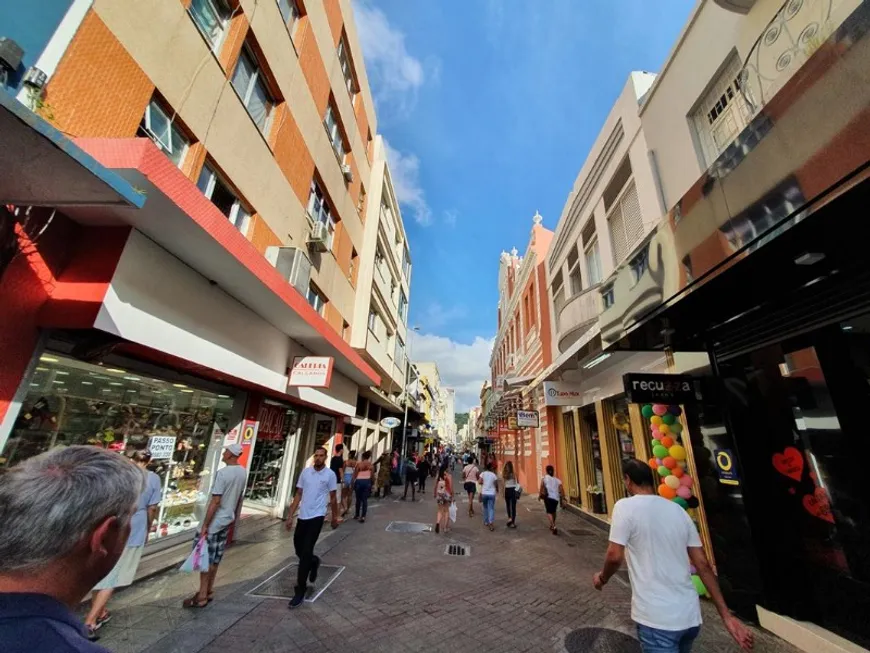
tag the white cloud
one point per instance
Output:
(405, 171)
(463, 367)
(396, 75)
(450, 217)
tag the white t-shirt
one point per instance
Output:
(229, 483)
(656, 533)
(489, 480)
(552, 484)
(469, 473)
(315, 487)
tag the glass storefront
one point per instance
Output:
(622, 426)
(69, 402)
(597, 498)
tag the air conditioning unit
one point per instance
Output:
(347, 172)
(35, 78)
(10, 54)
(318, 239)
(293, 264)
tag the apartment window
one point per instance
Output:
(403, 306)
(351, 270)
(640, 263)
(393, 287)
(722, 113)
(574, 276)
(558, 294)
(593, 262)
(347, 68)
(361, 204)
(608, 297)
(160, 128)
(316, 299)
(249, 82)
(319, 211)
(625, 223)
(379, 260)
(399, 355)
(211, 18)
(218, 191)
(333, 130)
(291, 14)
(406, 264)
(374, 318)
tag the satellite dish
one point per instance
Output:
(390, 422)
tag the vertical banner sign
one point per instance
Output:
(726, 466)
(249, 435)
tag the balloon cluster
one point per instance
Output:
(669, 462)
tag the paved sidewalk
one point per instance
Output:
(519, 590)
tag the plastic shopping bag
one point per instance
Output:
(453, 511)
(197, 561)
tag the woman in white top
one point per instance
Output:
(510, 493)
(469, 477)
(488, 492)
(552, 493)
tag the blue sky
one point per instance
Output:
(489, 113)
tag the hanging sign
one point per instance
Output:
(390, 422)
(557, 393)
(311, 371)
(726, 466)
(528, 418)
(161, 446)
(661, 388)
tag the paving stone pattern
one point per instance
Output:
(522, 590)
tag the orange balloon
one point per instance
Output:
(664, 429)
(667, 492)
(667, 441)
(669, 462)
(653, 463)
(677, 471)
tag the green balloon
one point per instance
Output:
(664, 471)
(668, 419)
(699, 585)
(647, 411)
(660, 451)
(676, 428)
(654, 443)
(680, 501)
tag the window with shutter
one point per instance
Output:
(625, 223)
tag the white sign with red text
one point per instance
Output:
(311, 371)
(557, 393)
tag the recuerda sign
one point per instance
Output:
(661, 388)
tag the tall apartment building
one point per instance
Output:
(522, 349)
(190, 180)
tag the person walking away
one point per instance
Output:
(488, 492)
(383, 477)
(229, 483)
(443, 498)
(125, 570)
(470, 474)
(66, 520)
(347, 483)
(662, 542)
(410, 479)
(509, 478)
(423, 469)
(316, 486)
(552, 493)
(362, 484)
(336, 463)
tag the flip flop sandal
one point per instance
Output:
(193, 602)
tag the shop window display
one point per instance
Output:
(596, 490)
(73, 402)
(622, 426)
(277, 424)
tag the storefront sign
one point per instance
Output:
(528, 418)
(271, 422)
(726, 466)
(390, 422)
(661, 388)
(511, 422)
(249, 434)
(557, 393)
(161, 446)
(311, 371)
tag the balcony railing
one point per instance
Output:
(577, 315)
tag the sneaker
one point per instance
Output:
(296, 601)
(312, 575)
(437, 528)
(92, 634)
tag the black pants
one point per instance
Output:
(510, 501)
(410, 480)
(304, 539)
(363, 488)
(422, 482)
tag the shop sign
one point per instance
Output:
(557, 393)
(161, 446)
(311, 371)
(249, 434)
(726, 466)
(528, 418)
(271, 422)
(512, 422)
(390, 422)
(232, 437)
(661, 388)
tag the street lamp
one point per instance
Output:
(414, 330)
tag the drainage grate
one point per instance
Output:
(457, 550)
(600, 640)
(282, 584)
(409, 527)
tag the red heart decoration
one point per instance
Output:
(789, 463)
(817, 505)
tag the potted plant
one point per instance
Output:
(597, 495)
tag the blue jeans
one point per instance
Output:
(488, 508)
(655, 640)
(362, 488)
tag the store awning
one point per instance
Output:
(176, 216)
(42, 167)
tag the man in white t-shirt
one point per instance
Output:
(661, 541)
(315, 486)
(469, 477)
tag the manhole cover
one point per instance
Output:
(282, 585)
(457, 550)
(408, 527)
(600, 640)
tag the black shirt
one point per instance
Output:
(335, 464)
(37, 623)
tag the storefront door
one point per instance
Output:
(573, 469)
(595, 491)
(798, 411)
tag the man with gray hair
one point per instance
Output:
(65, 518)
